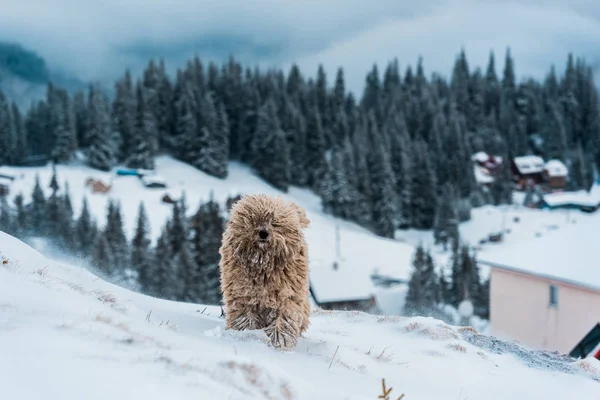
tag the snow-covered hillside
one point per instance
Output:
(361, 251)
(65, 334)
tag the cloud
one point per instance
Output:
(539, 34)
(97, 40)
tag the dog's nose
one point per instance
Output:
(263, 234)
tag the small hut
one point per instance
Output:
(97, 185)
(153, 181)
(555, 174)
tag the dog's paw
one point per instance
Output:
(281, 339)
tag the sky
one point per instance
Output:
(98, 40)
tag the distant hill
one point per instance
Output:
(24, 75)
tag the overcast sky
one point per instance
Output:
(97, 41)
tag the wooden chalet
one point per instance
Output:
(153, 181)
(97, 186)
(555, 174)
(486, 167)
(528, 171)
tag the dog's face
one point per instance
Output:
(265, 230)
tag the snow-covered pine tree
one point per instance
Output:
(141, 148)
(141, 257)
(103, 150)
(422, 293)
(124, 113)
(400, 157)
(339, 196)
(102, 258)
(207, 231)
(85, 232)
(316, 162)
(465, 275)
(37, 209)
(116, 239)
(383, 198)
(445, 229)
(167, 282)
(7, 134)
(65, 136)
(270, 152)
(423, 186)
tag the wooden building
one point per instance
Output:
(555, 174)
(528, 171)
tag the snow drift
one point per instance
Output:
(65, 334)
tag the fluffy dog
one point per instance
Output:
(264, 269)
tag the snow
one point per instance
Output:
(556, 168)
(568, 254)
(5, 181)
(361, 251)
(481, 175)
(68, 335)
(529, 164)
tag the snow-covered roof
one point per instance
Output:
(8, 172)
(153, 180)
(568, 254)
(5, 181)
(480, 156)
(347, 283)
(481, 175)
(529, 164)
(556, 168)
(580, 198)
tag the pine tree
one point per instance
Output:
(6, 220)
(141, 260)
(116, 239)
(85, 232)
(270, 148)
(103, 258)
(315, 151)
(38, 209)
(124, 114)
(141, 148)
(64, 129)
(423, 188)
(7, 133)
(103, 150)
(422, 293)
(465, 275)
(382, 183)
(167, 282)
(445, 228)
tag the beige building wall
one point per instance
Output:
(520, 310)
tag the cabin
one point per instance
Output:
(97, 186)
(545, 291)
(486, 167)
(555, 174)
(589, 346)
(8, 174)
(168, 199)
(153, 181)
(528, 171)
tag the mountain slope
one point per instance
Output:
(360, 251)
(68, 335)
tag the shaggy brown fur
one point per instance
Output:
(264, 269)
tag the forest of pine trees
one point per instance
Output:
(182, 265)
(397, 157)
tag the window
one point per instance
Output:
(553, 296)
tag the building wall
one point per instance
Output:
(520, 310)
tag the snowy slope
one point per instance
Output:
(361, 251)
(65, 334)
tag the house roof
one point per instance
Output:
(480, 156)
(529, 164)
(580, 198)
(5, 182)
(568, 254)
(556, 168)
(481, 175)
(153, 180)
(589, 345)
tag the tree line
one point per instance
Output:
(182, 265)
(397, 157)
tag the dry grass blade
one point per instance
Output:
(333, 358)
